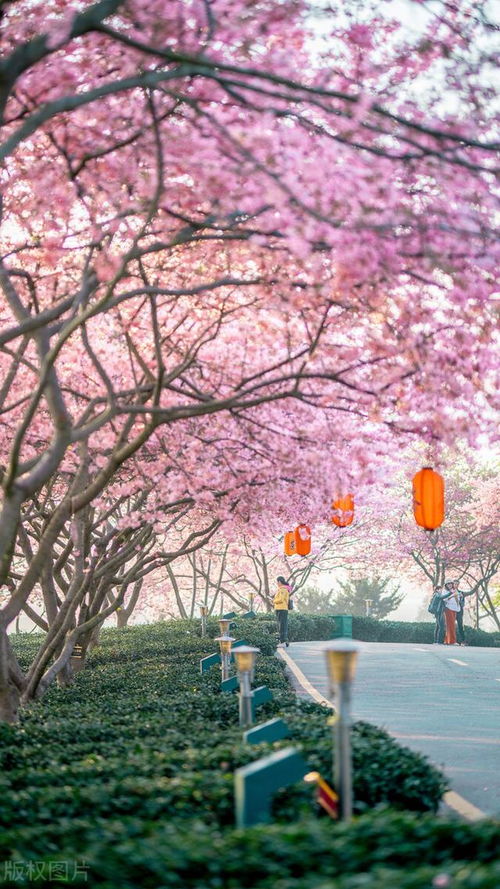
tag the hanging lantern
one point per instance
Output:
(343, 511)
(290, 543)
(302, 535)
(428, 498)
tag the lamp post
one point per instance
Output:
(225, 643)
(341, 658)
(204, 612)
(224, 626)
(245, 659)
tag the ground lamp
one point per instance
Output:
(225, 643)
(428, 498)
(244, 656)
(341, 657)
(343, 511)
(224, 626)
(77, 658)
(204, 612)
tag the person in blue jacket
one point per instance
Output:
(436, 607)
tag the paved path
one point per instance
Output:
(439, 700)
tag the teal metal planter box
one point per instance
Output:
(343, 625)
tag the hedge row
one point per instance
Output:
(131, 773)
(368, 629)
(172, 724)
(308, 627)
(383, 849)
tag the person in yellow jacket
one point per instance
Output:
(282, 604)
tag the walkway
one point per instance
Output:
(441, 701)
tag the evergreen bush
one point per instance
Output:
(131, 773)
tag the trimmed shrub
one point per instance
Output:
(405, 851)
(131, 772)
(368, 629)
(319, 627)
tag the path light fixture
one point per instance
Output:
(77, 659)
(224, 623)
(204, 612)
(244, 656)
(225, 643)
(341, 657)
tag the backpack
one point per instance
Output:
(435, 604)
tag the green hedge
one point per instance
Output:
(309, 627)
(159, 721)
(381, 849)
(370, 630)
(131, 772)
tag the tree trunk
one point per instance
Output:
(122, 617)
(11, 680)
(65, 677)
(94, 637)
(9, 703)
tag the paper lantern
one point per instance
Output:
(344, 511)
(290, 543)
(428, 499)
(302, 540)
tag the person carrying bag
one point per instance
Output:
(282, 604)
(437, 608)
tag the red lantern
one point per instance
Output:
(302, 540)
(344, 511)
(290, 543)
(428, 499)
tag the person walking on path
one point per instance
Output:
(281, 604)
(451, 607)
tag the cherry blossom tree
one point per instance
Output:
(102, 553)
(228, 271)
(466, 548)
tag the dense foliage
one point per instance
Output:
(371, 596)
(306, 627)
(131, 772)
(371, 630)
(248, 253)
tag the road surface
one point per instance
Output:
(440, 700)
